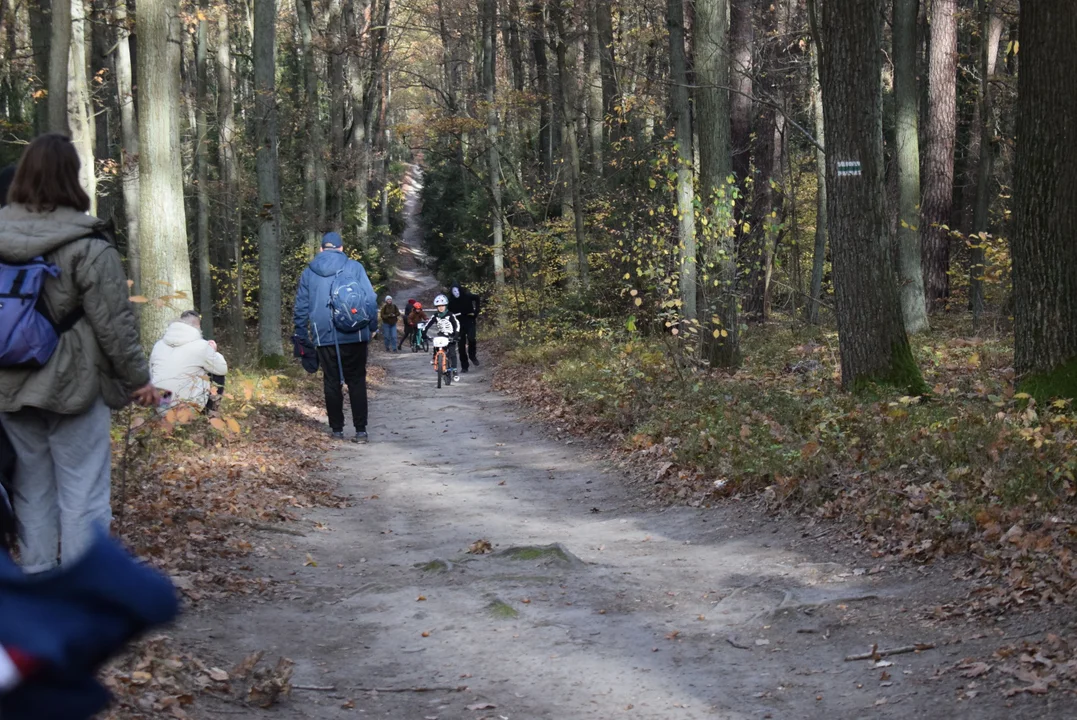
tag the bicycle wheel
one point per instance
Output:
(448, 379)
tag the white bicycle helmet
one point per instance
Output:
(441, 300)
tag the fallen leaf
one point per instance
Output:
(420, 598)
(481, 706)
(976, 669)
(426, 633)
(480, 547)
(218, 675)
(310, 561)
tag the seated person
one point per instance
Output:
(188, 365)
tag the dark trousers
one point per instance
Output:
(467, 341)
(353, 361)
(409, 333)
(216, 392)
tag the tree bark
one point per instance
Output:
(270, 344)
(871, 335)
(489, 81)
(542, 79)
(570, 145)
(682, 128)
(230, 222)
(337, 62)
(40, 31)
(129, 141)
(79, 108)
(742, 47)
(818, 259)
(938, 168)
(907, 163)
(713, 109)
(201, 165)
(595, 113)
(314, 187)
(608, 67)
(982, 153)
(1045, 202)
(59, 53)
(166, 268)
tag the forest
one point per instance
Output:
(820, 255)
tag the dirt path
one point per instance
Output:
(590, 605)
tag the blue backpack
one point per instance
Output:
(348, 303)
(28, 337)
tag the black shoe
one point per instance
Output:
(463, 369)
(360, 437)
(474, 362)
(337, 434)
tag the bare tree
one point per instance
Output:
(489, 81)
(129, 140)
(682, 124)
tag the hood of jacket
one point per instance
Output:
(328, 262)
(25, 235)
(180, 333)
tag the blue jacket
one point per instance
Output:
(313, 320)
(73, 620)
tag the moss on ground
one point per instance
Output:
(1058, 383)
(502, 610)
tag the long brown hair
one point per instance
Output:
(48, 176)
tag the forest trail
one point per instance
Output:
(590, 605)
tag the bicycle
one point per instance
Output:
(441, 360)
(419, 340)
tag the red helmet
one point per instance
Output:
(418, 305)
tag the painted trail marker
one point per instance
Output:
(848, 168)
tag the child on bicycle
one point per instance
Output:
(446, 324)
(409, 325)
(415, 318)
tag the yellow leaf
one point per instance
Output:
(217, 424)
(633, 292)
(232, 425)
(1022, 396)
(639, 301)
(725, 333)
(139, 299)
(717, 334)
(311, 562)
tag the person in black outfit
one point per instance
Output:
(466, 305)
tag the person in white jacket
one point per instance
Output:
(188, 365)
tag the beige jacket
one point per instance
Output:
(101, 355)
(182, 362)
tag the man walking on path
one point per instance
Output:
(466, 305)
(389, 316)
(335, 308)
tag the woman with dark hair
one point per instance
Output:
(57, 410)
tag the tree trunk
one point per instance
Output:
(270, 344)
(102, 103)
(231, 223)
(314, 166)
(818, 259)
(871, 335)
(742, 42)
(201, 165)
(489, 81)
(608, 67)
(59, 53)
(713, 109)
(682, 127)
(570, 145)
(907, 163)
(1045, 202)
(337, 62)
(166, 268)
(982, 152)
(79, 108)
(129, 140)
(595, 114)
(939, 137)
(542, 79)
(40, 31)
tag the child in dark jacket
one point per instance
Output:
(446, 324)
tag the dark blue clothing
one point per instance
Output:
(73, 620)
(313, 318)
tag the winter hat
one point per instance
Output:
(388, 298)
(332, 240)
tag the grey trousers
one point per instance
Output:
(62, 482)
